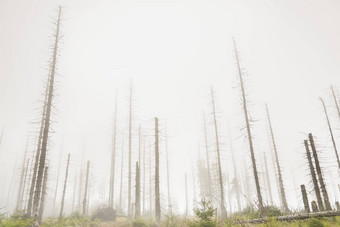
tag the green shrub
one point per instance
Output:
(313, 222)
(139, 223)
(205, 213)
(104, 213)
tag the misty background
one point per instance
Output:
(173, 51)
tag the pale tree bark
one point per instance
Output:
(65, 184)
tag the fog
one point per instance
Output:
(173, 53)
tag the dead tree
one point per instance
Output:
(250, 139)
(37, 193)
(282, 189)
(168, 172)
(223, 209)
(186, 198)
(57, 183)
(74, 191)
(43, 194)
(268, 181)
(144, 176)
(305, 198)
(335, 101)
(331, 133)
(314, 179)
(157, 192)
(137, 196)
(37, 155)
(113, 159)
(207, 154)
(236, 180)
(130, 152)
(86, 188)
(319, 173)
(64, 191)
(21, 183)
(24, 185)
(121, 176)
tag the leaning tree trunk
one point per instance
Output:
(331, 133)
(44, 142)
(207, 154)
(268, 180)
(335, 101)
(319, 173)
(282, 189)
(223, 209)
(315, 181)
(64, 191)
(250, 139)
(21, 184)
(43, 195)
(57, 183)
(137, 196)
(236, 180)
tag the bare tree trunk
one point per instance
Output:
(207, 155)
(57, 183)
(335, 101)
(236, 180)
(37, 155)
(305, 198)
(130, 153)
(80, 189)
(186, 198)
(331, 132)
(121, 177)
(113, 160)
(318, 171)
(268, 181)
(21, 184)
(250, 139)
(168, 174)
(282, 189)
(43, 194)
(24, 186)
(157, 192)
(144, 176)
(315, 181)
(86, 188)
(74, 191)
(223, 209)
(64, 191)
(137, 196)
(37, 193)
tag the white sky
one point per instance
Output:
(174, 51)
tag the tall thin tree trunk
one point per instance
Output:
(113, 160)
(86, 188)
(157, 191)
(335, 101)
(21, 183)
(186, 198)
(168, 173)
(74, 191)
(130, 153)
(24, 185)
(207, 155)
(43, 194)
(318, 171)
(37, 155)
(137, 196)
(250, 139)
(37, 193)
(80, 189)
(223, 209)
(57, 183)
(282, 189)
(236, 180)
(305, 198)
(331, 133)
(315, 181)
(268, 181)
(121, 176)
(64, 191)
(144, 175)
